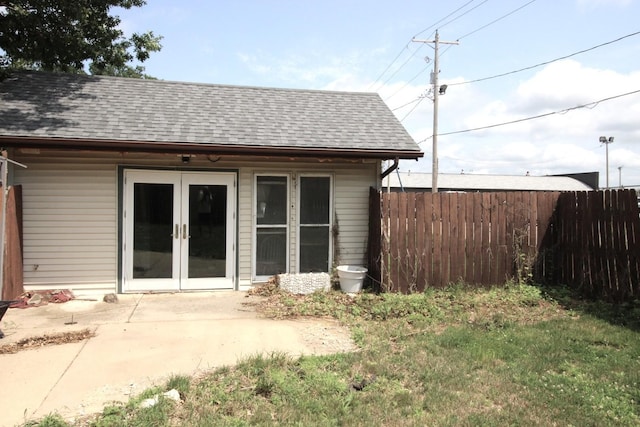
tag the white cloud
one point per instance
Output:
(559, 143)
(309, 71)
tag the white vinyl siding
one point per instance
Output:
(70, 227)
(351, 201)
(71, 218)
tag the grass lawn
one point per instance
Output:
(455, 357)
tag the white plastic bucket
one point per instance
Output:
(351, 278)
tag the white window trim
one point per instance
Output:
(254, 224)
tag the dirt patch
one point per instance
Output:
(45, 340)
(326, 336)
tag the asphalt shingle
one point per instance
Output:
(49, 105)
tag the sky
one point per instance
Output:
(358, 45)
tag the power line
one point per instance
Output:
(418, 102)
(401, 66)
(390, 65)
(484, 26)
(407, 104)
(461, 15)
(492, 22)
(566, 110)
(406, 84)
(442, 19)
(406, 47)
(496, 20)
(546, 62)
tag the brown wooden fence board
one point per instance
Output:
(429, 236)
(13, 267)
(632, 229)
(374, 245)
(459, 261)
(454, 238)
(582, 254)
(510, 212)
(474, 257)
(611, 243)
(469, 238)
(485, 209)
(624, 245)
(607, 239)
(402, 248)
(421, 244)
(618, 253)
(436, 226)
(633, 236)
(597, 207)
(590, 241)
(445, 272)
(412, 250)
(545, 232)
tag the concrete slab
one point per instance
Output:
(139, 342)
(28, 377)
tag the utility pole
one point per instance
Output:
(436, 92)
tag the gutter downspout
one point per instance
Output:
(391, 168)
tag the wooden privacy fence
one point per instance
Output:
(597, 243)
(13, 274)
(420, 240)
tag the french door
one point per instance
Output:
(178, 231)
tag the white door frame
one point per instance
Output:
(180, 230)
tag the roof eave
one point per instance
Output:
(195, 148)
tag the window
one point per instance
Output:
(271, 213)
(313, 217)
(314, 224)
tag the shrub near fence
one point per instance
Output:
(421, 240)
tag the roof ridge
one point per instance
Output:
(190, 83)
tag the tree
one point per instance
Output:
(76, 36)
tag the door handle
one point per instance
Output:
(176, 234)
(184, 231)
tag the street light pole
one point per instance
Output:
(606, 141)
(620, 176)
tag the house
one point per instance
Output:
(144, 185)
(416, 181)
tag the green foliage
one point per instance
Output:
(181, 383)
(112, 415)
(72, 36)
(52, 420)
(459, 356)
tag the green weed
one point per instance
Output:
(458, 356)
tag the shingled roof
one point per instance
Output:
(94, 112)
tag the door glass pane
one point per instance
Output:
(314, 249)
(271, 251)
(271, 200)
(152, 231)
(207, 230)
(314, 200)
